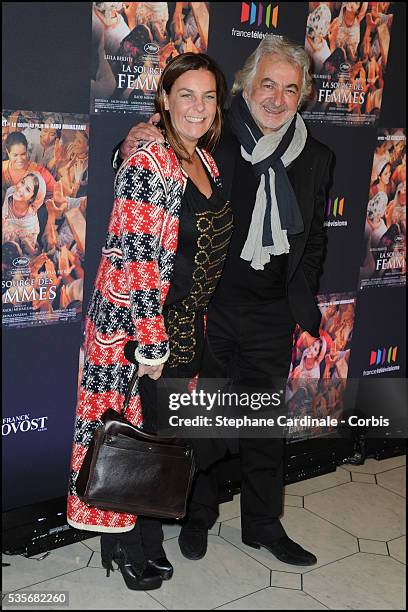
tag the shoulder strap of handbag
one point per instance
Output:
(129, 351)
(131, 386)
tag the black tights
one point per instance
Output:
(142, 543)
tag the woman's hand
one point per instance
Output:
(65, 266)
(58, 151)
(59, 198)
(52, 274)
(153, 372)
(79, 168)
(50, 232)
(309, 339)
(332, 33)
(75, 260)
(130, 10)
(64, 300)
(38, 263)
(178, 24)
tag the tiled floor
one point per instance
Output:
(352, 519)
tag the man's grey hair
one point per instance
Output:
(295, 54)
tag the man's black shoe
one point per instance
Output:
(284, 549)
(193, 542)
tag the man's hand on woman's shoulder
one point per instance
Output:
(141, 132)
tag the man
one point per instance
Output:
(277, 176)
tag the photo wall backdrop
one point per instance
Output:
(76, 77)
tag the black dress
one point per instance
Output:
(205, 228)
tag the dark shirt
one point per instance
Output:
(240, 283)
(205, 227)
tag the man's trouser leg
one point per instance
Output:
(220, 347)
(264, 336)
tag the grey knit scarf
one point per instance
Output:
(276, 212)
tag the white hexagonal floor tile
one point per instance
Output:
(24, 572)
(320, 483)
(359, 477)
(93, 543)
(223, 575)
(89, 589)
(326, 541)
(367, 511)
(171, 530)
(95, 561)
(286, 580)
(360, 582)
(393, 480)
(398, 549)
(372, 466)
(373, 546)
(230, 510)
(293, 500)
(274, 598)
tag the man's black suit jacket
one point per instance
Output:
(310, 176)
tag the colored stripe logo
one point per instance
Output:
(383, 355)
(255, 14)
(335, 207)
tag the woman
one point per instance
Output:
(400, 173)
(168, 236)
(383, 180)
(42, 141)
(19, 212)
(18, 164)
(309, 366)
(396, 209)
(69, 165)
(113, 22)
(375, 223)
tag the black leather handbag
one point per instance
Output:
(130, 471)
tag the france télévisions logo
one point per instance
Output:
(383, 355)
(256, 14)
(334, 211)
(385, 360)
(259, 14)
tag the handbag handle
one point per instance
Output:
(132, 383)
(129, 351)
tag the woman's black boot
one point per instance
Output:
(151, 532)
(162, 566)
(137, 574)
(137, 579)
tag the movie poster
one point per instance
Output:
(383, 261)
(44, 182)
(348, 43)
(319, 370)
(131, 44)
